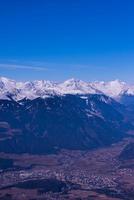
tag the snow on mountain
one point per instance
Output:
(7, 84)
(73, 86)
(7, 88)
(42, 88)
(130, 91)
(112, 88)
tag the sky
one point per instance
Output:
(60, 39)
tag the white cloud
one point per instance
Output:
(22, 67)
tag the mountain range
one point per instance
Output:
(43, 117)
(116, 89)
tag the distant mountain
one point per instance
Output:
(113, 89)
(44, 116)
(10, 89)
(61, 122)
(32, 90)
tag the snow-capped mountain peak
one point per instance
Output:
(112, 88)
(74, 86)
(6, 83)
(43, 88)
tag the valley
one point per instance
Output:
(97, 174)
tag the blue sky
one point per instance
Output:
(57, 40)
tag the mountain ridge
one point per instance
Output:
(43, 88)
(76, 122)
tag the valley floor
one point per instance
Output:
(74, 175)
